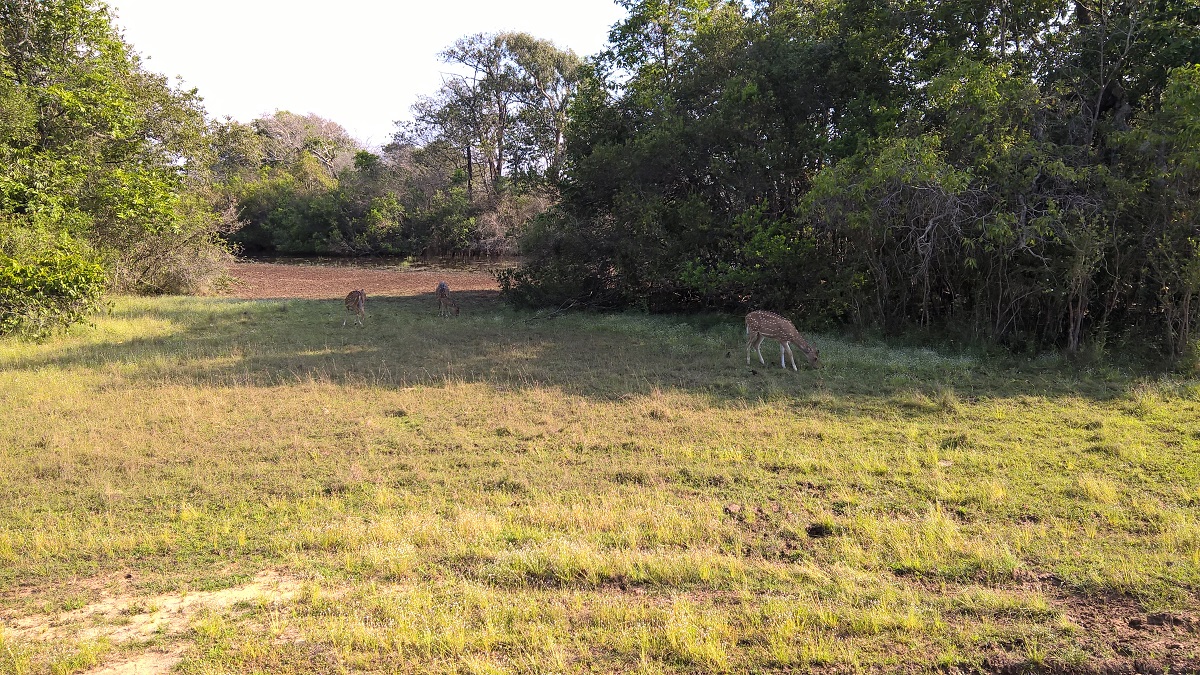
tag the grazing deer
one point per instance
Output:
(761, 325)
(445, 304)
(356, 301)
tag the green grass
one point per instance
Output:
(589, 493)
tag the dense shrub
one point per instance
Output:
(48, 291)
(1025, 176)
(101, 158)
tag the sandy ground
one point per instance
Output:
(119, 617)
(272, 280)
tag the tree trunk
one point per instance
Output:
(470, 174)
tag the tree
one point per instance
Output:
(287, 136)
(99, 157)
(1013, 171)
(506, 111)
(546, 79)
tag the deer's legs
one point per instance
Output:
(785, 349)
(753, 343)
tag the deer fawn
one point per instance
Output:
(761, 325)
(356, 301)
(445, 304)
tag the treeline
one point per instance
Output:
(481, 157)
(1024, 172)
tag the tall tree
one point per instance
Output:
(506, 108)
(546, 79)
(286, 136)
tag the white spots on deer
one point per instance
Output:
(761, 325)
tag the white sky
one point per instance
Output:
(360, 63)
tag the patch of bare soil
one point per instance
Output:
(1125, 638)
(122, 618)
(150, 663)
(255, 280)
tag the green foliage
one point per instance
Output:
(97, 152)
(1018, 173)
(482, 156)
(44, 291)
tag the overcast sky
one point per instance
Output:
(360, 63)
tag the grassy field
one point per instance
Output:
(231, 486)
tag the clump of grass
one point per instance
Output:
(1146, 399)
(1097, 489)
(697, 637)
(947, 400)
(1000, 604)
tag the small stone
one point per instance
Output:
(733, 509)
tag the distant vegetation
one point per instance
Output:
(1026, 173)
(483, 155)
(122, 181)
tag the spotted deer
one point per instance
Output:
(761, 325)
(356, 302)
(445, 304)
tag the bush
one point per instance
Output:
(191, 257)
(48, 292)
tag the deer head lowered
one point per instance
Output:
(761, 324)
(356, 302)
(445, 303)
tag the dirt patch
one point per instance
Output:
(122, 618)
(1115, 631)
(149, 663)
(255, 280)
(1139, 642)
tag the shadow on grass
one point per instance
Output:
(606, 356)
